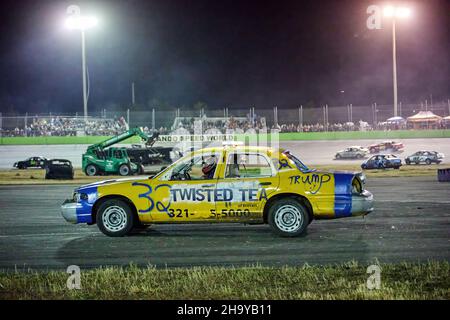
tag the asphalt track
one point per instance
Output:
(317, 152)
(411, 222)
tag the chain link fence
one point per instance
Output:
(299, 118)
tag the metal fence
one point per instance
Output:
(156, 118)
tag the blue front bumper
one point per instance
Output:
(362, 203)
(76, 212)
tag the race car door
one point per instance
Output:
(185, 192)
(247, 181)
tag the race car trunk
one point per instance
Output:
(59, 170)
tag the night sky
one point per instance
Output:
(224, 53)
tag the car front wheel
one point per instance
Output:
(91, 170)
(115, 218)
(288, 217)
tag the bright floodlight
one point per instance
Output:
(399, 12)
(81, 22)
(403, 12)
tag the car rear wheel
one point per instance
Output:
(115, 218)
(407, 161)
(428, 161)
(338, 156)
(91, 170)
(288, 217)
(124, 170)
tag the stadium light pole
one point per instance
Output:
(75, 21)
(394, 13)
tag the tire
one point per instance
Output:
(428, 161)
(91, 170)
(140, 170)
(288, 217)
(124, 170)
(115, 218)
(338, 156)
(407, 161)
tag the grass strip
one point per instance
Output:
(429, 280)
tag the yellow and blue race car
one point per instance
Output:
(223, 184)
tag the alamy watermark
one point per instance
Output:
(74, 280)
(374, 280)
(373, 22)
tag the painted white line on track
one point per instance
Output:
(46, 235)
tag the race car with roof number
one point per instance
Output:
(223, 184)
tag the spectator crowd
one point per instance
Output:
(65, 126)
(73, 126)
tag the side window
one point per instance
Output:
(203, 167)
(247, 165)
(199, 167)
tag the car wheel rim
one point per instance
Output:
(124, 171)
(114, 218)
(91, 170)
(288, 218)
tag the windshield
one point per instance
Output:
(300, 165)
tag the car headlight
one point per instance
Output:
(357, 185)
(77, 197)
(362, 178)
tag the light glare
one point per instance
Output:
(399, 12)
(403, 12)
(389, 11)
(81, 22)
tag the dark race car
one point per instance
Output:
(59, 169)
(427, 157)
(382, 161)
(33, 162)
(153, 159)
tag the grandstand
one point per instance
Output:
(39, 126)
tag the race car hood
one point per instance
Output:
(107, 182)
(342, 172)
